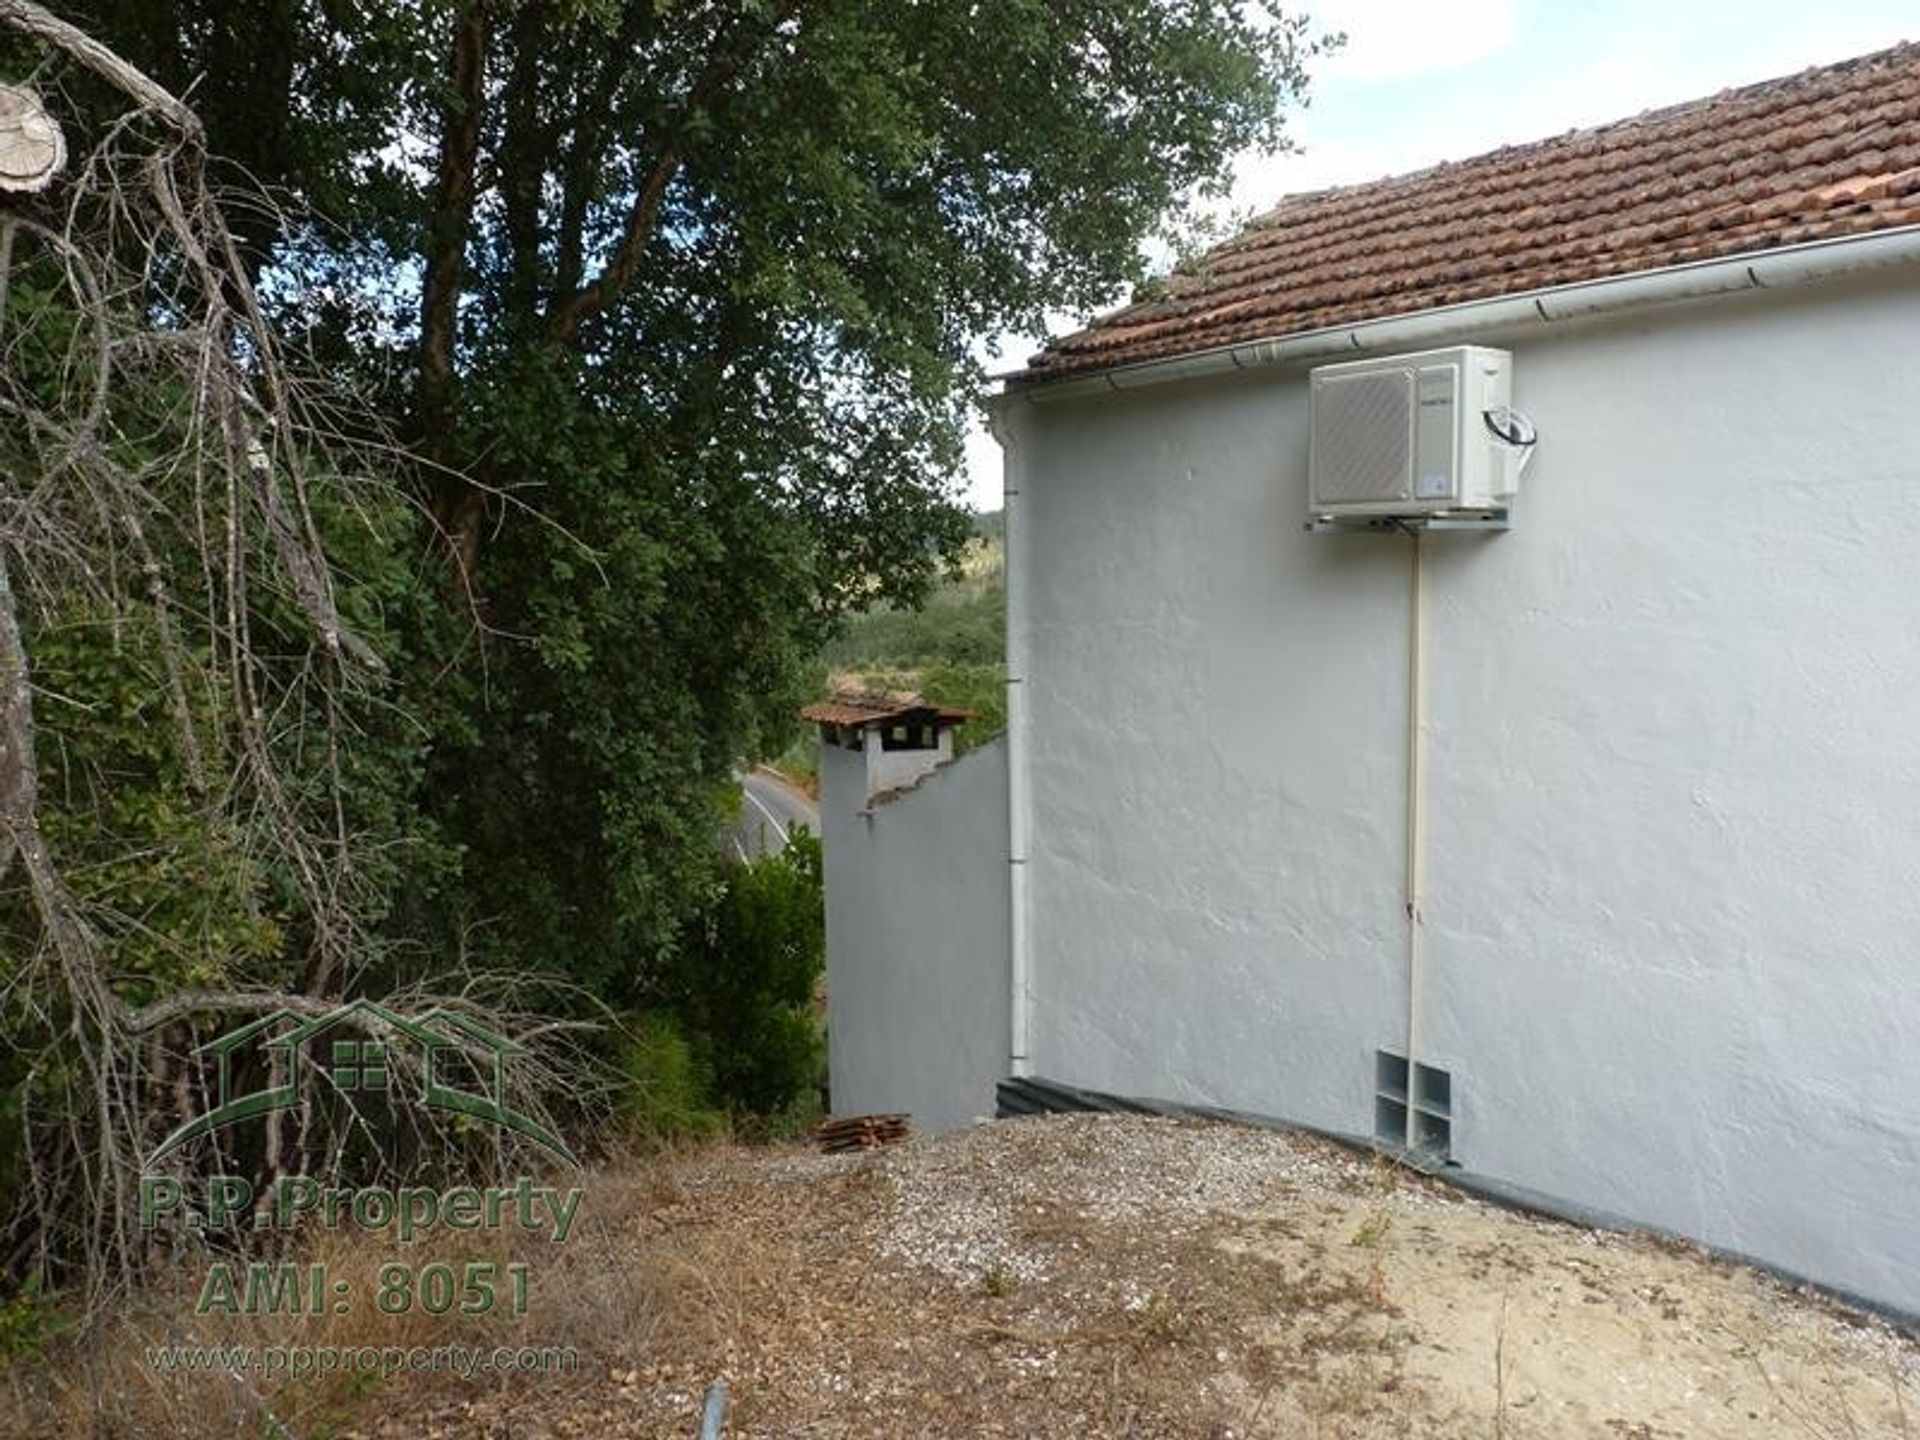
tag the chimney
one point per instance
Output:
(874, 742)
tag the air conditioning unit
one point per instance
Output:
(1415, 436)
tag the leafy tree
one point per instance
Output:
(673, 301)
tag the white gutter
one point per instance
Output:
(1764, 270)
(1019, 804)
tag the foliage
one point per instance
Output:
(963, 632)
(658, 321)
(744, 988)
(963, 621)
(208, 797)
(28, 1320)
(741, 1044)
(680, 299)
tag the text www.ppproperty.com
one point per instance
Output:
(464, 1360)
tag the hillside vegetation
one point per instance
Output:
(952, 649)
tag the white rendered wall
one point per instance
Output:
(893, 769)
(1673, 828)
(916, 939)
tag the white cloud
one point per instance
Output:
(1392, 39)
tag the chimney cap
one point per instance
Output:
(858, 705)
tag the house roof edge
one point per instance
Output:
(1780, 268)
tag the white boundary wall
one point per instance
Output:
(916, 938)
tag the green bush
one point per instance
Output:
(743, 988)
(667, 1099)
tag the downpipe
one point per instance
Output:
(1416, 810)
(1019, 803)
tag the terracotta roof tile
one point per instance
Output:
(1829, 152)
(880, 707)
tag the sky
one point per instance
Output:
(1421, 81)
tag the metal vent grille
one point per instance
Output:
(1416, 1117)
(1363, 437)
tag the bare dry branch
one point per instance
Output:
(43, 24)
(160, 486)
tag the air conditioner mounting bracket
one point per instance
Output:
(1500, 518)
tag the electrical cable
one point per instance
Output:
(1514, 430)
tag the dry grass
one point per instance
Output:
(1112, 1276)
(586, 1294)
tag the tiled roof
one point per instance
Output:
(880, 707)
(1829, 152)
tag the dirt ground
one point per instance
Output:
(1126, 1276)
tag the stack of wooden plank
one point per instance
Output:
(860, 1132)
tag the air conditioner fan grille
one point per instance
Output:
(1363, 438)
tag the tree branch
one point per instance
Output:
(20, 814)
(524, 143)
(447, 228)
(585, 144)
(643, 217)
(191, 1002)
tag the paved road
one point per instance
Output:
(768, 809)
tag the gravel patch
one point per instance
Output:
(1102, 1275)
